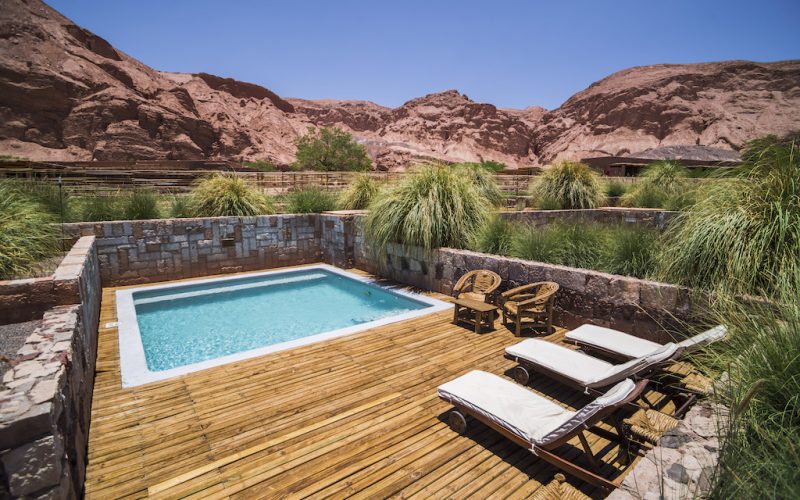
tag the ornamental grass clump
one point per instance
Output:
(495, 236)
(432, 207)
(227, 195)
(359, 193)
(760, 452)
(28, 233)
(663, 184)
(310, 200)
(484, 181)
(743, 236)
(141, 205)
(568, 185)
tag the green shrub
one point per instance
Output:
(57, 202)
(571, 184)
(760, 455)
(27, 232)
(227, 195)
(180, 208)
(261, 165)
(359, 193)
(432, 207)
(530, 242)
(631, 251)
(547, 203)
(98, 208)
(330, 148)
(311, 200)
(495, 236)
(140, 205)
(489, 165)
(574, 245)
(743, 236)
(616, 189)
(484, 181)
(662, 185)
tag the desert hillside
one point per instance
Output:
(66, 93)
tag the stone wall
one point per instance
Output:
(132, 252)
(608, 215)
(645, 308)
(45, 398)
(27, 299)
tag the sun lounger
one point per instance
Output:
(619, 345)
(577, 369)
(535, 422)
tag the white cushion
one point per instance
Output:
(575, 365)
(510, 405)
(584, 370)
(612, 340)
(528, 415)
(717, 333)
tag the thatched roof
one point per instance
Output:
(687, 153)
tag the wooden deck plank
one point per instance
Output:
(352, 416)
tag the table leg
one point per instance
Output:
(455, 314)
(478, 321)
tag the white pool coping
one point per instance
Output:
(133, 363)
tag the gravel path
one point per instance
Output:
(12, 338)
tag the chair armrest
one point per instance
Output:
(514, 291)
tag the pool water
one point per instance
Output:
(187, 324)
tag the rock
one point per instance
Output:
(677, 472)
(33, 466)
(67, 94)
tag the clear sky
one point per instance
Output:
(508, 53)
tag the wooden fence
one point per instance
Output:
(178, 176)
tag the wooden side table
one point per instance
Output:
(475, 313)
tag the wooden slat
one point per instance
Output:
(357, 415)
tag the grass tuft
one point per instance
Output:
(28, 233)
(570, 184)
(311, 200)
(359, 193)
(227, 195)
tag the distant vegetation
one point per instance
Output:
(663, 184)
(310, 200)
(567, 185)
(227, 195)
(330, 149)
(360, 193)
(262, 165)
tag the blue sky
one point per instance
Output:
(508, 53)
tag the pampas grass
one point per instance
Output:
(359, 193)
(570, 185)
(433, 207)
(227, 195)
(28, 233)
(310, 200)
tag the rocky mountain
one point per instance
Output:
(66, 93)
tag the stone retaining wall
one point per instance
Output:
(132, 252)
(607, 215)
(45, 398)
(27, 299)
(641, 307)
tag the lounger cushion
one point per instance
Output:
(521, 411)
(707, 337)
(528, 415)
(584, 370)
(612, 340)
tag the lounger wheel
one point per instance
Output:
(521, 375)
(457, 422)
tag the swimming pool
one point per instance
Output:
(177, 328)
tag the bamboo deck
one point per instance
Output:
(355, 416)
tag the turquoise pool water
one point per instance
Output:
(192, 323)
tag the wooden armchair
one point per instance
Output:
(477, 285)
(531, 305)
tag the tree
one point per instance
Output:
(330, 148)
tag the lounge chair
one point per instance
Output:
(535, 422)
(477, 285)
(529, 305)
(577, 369)
(619, 345)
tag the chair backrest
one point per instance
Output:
(636, 365)
(707, 337)
(546, 291)
(620, 394)
(479, 281)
